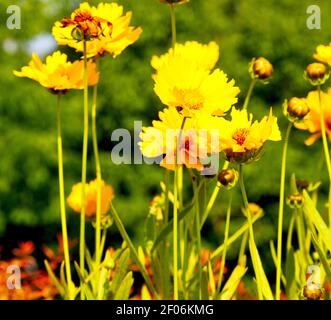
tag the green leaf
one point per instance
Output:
(204, 285)
(234, 237)
(232, 284)
(291, 287)
(313, 217)
(124, 290)
(262, 280)
(120, 273)
(169, 226)
(54, 279)
(324, 260)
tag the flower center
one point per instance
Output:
(240, 136)
(189, 98)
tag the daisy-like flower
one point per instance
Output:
(181, 83)
(323, 54)
(312, 122)
(75, 198)
(242, 139)
(104, 28)
(161, 139)
(203, 56)
(57, 73)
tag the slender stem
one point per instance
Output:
(326, 150)
(98, 253)
(249, 93)
(290, 233)
(281, 212)
(173, 25)
(84, 165)
(212, 198)
(242, 230)
(243, 247)
(198, 235)
(226, 236)
(175, 234)
(175, 213)
(62, 196)
(245, 200)
(166, 275)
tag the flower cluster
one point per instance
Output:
(197, 99)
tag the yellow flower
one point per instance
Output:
(323, 54)
(75, 198)
(58, 74)
(161, 140)
(111, 29)
(312, 122)
(242, 139)
(180, 83)
(203, 56)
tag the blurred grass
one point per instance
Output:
(275, 29)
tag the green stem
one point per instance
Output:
(212, 199)
(243, 247)
(290, 233)
(242, 230)
(249, 93)
(173, 25)
(98, 252)
(175, 235)
(84, 165)
(281, 212)
(198, 235)
(226, 236)
(326, 150)
(249, 220)
(62, 197)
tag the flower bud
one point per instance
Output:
(228, 178)
(295, 200)
(254, 209)
(261, 68)
(297, 108)
(317, 73)
(312, 293)
(77, 34)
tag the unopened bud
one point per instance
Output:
(317, 73)
(297, 108)
(228, 178)
(295, 200)
(77, 34)
(262, 68)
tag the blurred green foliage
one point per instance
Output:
(244, 29)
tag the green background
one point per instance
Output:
(243, 29)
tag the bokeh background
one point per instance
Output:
(243, 29)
